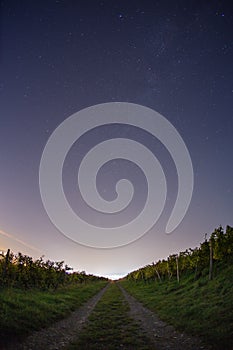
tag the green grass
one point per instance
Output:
(21, 312)
(110, 327)
(202, 307)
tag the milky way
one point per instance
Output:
(59, 57)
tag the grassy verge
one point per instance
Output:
(110, 327)
(21, 312)
(202, 307)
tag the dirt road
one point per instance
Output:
(160, 335)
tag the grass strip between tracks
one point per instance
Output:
(110, 327)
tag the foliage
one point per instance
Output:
(201, 307)
(191, 260)
(204, 304)
(21, 271)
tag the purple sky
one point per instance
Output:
(59, 57)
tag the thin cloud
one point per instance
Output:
(19, 240)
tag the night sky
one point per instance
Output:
(58, 57)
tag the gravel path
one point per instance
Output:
(163, 336)
(61, 333)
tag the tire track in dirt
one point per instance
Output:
(61, 333)
(163, 336)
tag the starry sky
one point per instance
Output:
(58, 57)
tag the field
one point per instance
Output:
(21, 311)
(192, 291)
(199, 307)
